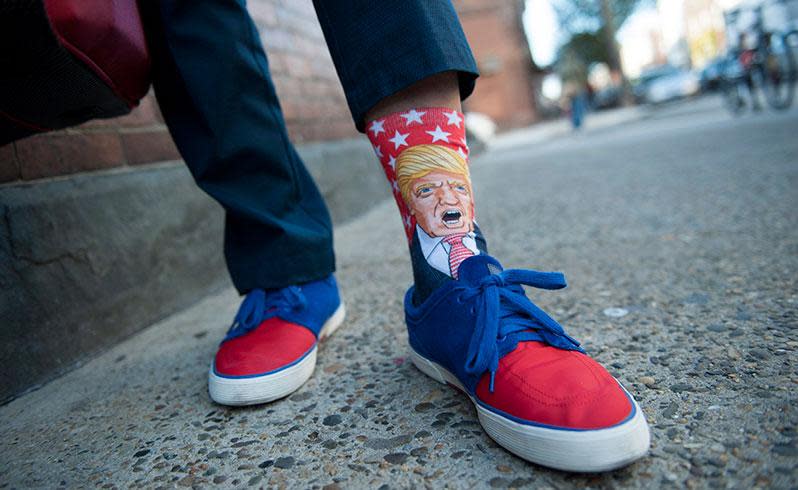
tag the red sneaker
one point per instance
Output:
(270, 351)
(535, 390)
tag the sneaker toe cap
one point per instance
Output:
(273, 345)
(543, 385)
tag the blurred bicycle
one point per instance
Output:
(762, 60)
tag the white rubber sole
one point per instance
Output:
(270, 387)
(585, 451)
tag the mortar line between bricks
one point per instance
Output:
(142, 129)
(122, 146)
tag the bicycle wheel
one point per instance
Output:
(778, 70)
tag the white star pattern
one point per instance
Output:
(454, 119)
(399, 139)
(390, 135)
(376, 127)
(438, 134)
(413, 116)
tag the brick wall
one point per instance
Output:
(509, 80)
(139, 137)
(312, 99)
(304, 76)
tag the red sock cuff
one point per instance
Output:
(392, 134)
(426, 125)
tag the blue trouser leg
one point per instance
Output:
(212, 82)
(380, 48)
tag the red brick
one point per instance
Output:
(494, 31)
(277, 64)
(298, 66)
(9, 167)
(262, 12)
(330, 129)
(288, 17)
(64, 153)
(341, 128)
(149, 147)
(290, 108)
(286, 86)
(277, 39)
(314, 88)
(304, 7)
(324, 111)
(296, 109)
(308, 46)
(306, 27)
(324, 68)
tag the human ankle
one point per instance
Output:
(424, 154)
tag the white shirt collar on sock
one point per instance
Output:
(436, 251)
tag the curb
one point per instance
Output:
(88, 260)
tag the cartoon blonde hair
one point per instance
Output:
(420, 160)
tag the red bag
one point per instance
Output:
(67, 61)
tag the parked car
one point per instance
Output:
(712, 73)
(671, 84)
(607, 98)
(640, 86)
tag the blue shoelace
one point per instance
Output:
(505, 316)
(260, 305)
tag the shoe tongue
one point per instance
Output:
(478, 266)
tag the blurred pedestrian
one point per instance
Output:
(577, 97)
(575, 89)
(746, 56)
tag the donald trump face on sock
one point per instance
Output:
(436, 187)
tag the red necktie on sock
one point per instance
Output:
(458, 252)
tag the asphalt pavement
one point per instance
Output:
(678, 234)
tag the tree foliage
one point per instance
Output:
(591, 25)
(575, 56)
(577, 16)
(587, 46)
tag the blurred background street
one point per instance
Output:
(646, 148)
(677, 233)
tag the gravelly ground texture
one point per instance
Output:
(686, 220)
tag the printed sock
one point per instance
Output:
(425, 157)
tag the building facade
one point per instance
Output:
(704, 30)
(509, 81)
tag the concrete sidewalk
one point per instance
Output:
(549, 130)
(686, 223)
(595, 121)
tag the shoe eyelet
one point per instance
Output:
(459, 299)
(502, 338)
(472, 311)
